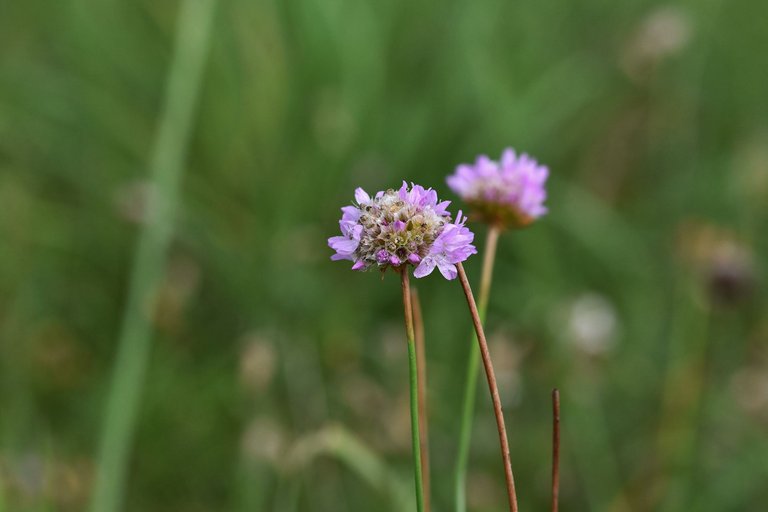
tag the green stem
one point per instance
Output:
(191, 44)
(414, 389)
(421, 365)
(473, 368)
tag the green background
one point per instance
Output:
(653, 119)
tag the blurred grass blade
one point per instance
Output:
(184, 76)
(337, 442)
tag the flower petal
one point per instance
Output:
(361, 196)
(403, 192)
(350, 213)
(425, 268)
(447, 269)
(343, 245)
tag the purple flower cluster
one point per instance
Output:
(407, 226)
(507, 193)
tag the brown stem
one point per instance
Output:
(421, 366)
(555, 449)
(492, 386)
(473, 367)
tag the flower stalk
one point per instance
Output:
(421, 367)
(555, 449)
(492, 386)
(473, 367)
(414, 388)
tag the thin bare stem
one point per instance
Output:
(421, 369)
(492, 386)
(489, 257)
(473, 366)
(414, 388)
(555, 449)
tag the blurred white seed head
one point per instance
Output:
(749, 387)
(507, 355)
(731, 275)
(592, 324)
(263, 440)
(751, 170)
(132, 200)
(177, 290)
(664, 33)
(725, 263)
(257, 363)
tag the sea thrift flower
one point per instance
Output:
(508, 193)
(404, 227)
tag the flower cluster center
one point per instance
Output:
(397, 231)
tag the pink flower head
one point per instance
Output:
(508, 193)
(404, 227)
